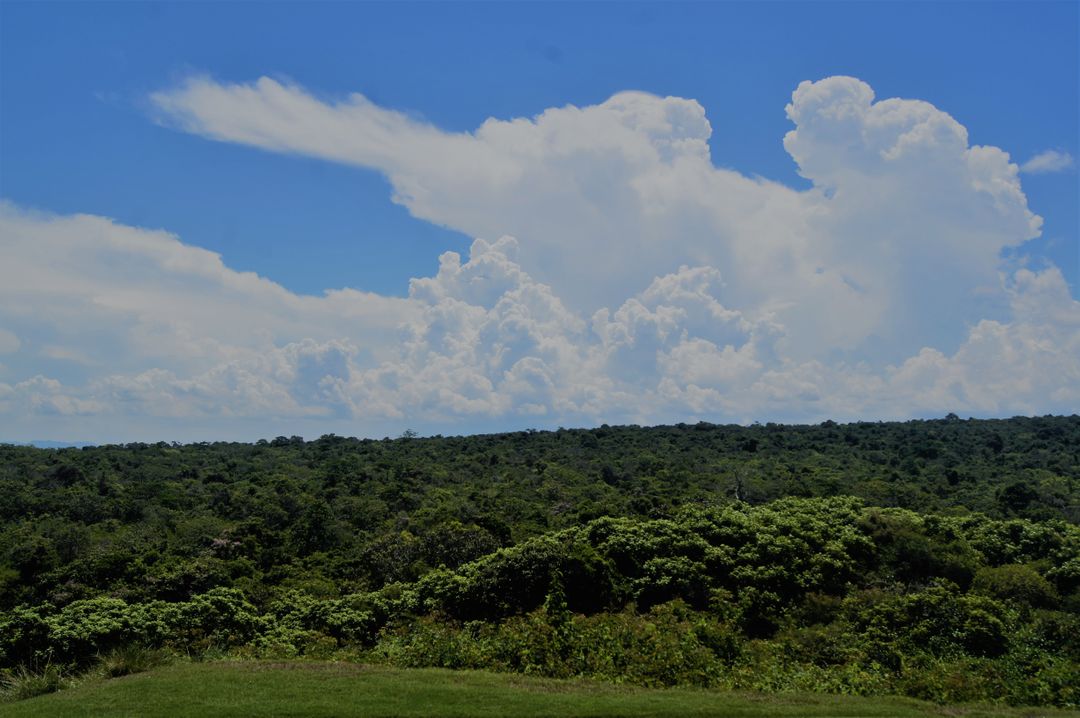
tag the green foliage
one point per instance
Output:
(86, 628)
(1017, 584)
(673, 645)
(24, 639)
(667, 646)
(938, 558)
(938, 620)
(221, 617)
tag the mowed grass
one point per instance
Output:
(301, 689)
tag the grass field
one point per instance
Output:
(301, 689)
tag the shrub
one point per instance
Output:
(24, 638)
(220, 617)
(1016, 583)
(937, 620)
(84, 629)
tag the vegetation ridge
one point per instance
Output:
(934, 559)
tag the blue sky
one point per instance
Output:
(100, 117)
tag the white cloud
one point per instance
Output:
(300, 379)
(642, 284)
(88, 289)
(134, 321)
(491, 340)
(484, 340)
(900, 200)
(1048, 161)
(1028, 365)
(43, 395)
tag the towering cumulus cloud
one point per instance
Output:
(621, 275)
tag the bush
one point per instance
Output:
(1016, 583)
(84, 629)
(938, 620)
(24, 638)
(221, 617)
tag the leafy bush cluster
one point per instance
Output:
(797, 594)
(672, 645)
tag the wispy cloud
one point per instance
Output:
(1048, 161)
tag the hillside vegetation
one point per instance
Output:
(933, 559)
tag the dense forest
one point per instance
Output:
(938, 559)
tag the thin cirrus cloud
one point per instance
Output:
(621, 276)
(1047, 162)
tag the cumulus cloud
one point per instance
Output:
(1048, 161)
(623, 277)
(43, 395)
(300, 379)
(900, 202)
(491, 341)
(482, 339)
(1028, 365)
(91, 290)
(151, 325)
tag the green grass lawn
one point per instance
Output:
(337, 689)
